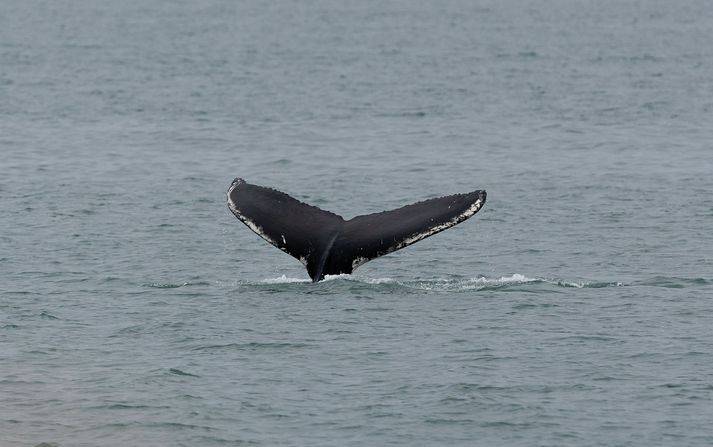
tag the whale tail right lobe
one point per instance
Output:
(364, 238)
(327, 244)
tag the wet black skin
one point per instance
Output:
(331, 245)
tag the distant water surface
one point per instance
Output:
(574, 309)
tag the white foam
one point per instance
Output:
(442, 284)
(345, 276)
(284, 280)
(379, 281)
(515, 278)
(436, 284)
(483, 282)
(480, 282)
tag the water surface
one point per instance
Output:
(574, 309)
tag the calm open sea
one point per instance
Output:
(575, 309)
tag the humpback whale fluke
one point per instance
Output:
(329, 245)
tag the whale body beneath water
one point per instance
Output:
(329, 245)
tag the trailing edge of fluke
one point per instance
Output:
(329, 245)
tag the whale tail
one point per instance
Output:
(329, 245)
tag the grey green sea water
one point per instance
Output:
(575, 309)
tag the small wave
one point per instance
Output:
(486, 283)
(328, 279)
(361, 279)
(477, 283)
(674, 282)
(178, 372)
(48, 316)
(159, 285)
(284, 280)
(515, 278)
(251, 346)
(344, 277)
(374, 281)
(473, 283)
(483, 282)
(438, 284)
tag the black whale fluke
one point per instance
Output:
(329, 245)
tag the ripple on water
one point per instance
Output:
(674, 282)
(454, 284)
(160, 285)
(251, 346)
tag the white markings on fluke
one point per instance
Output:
(431, 231)
(358, 261)
(474, 208)
(252, 225)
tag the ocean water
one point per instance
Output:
(575, 309)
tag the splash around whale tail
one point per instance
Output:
(329, 245)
